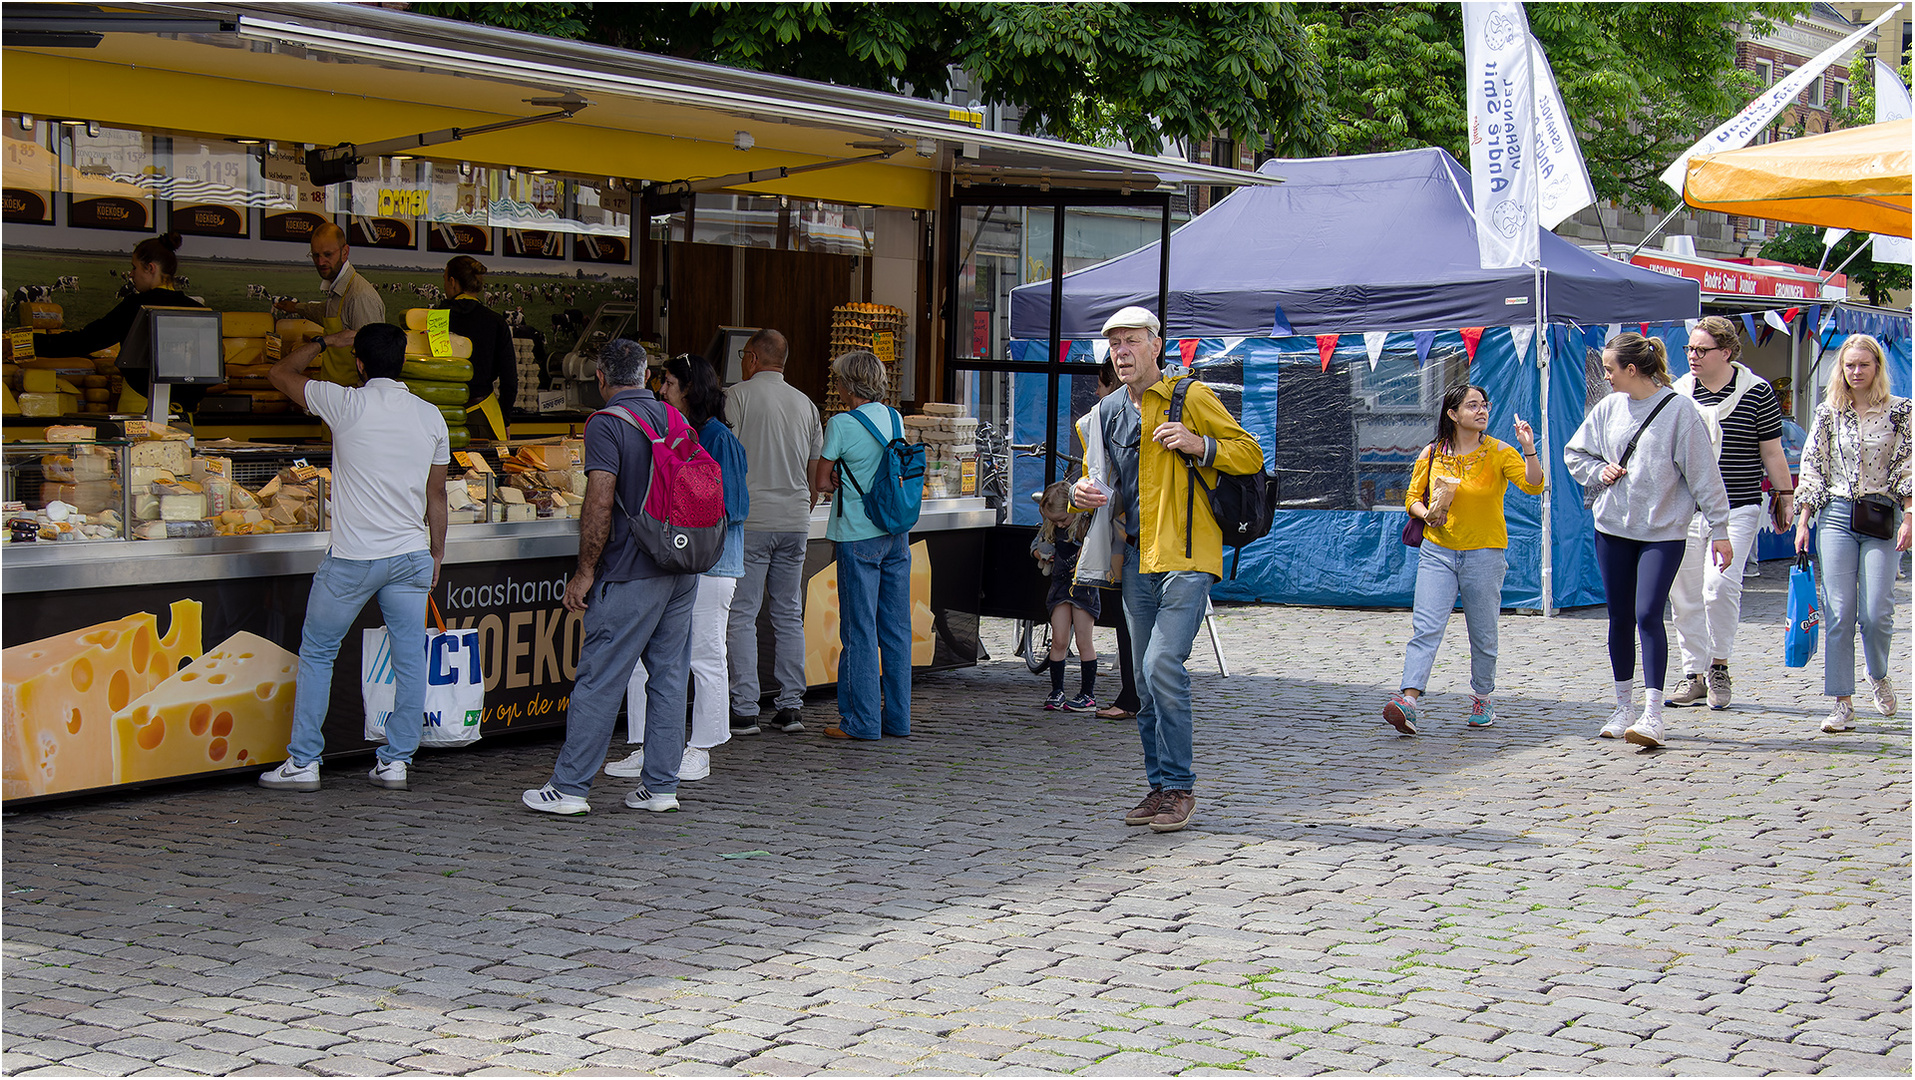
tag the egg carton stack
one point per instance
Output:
(877, 329)
(950, 449)
(527, 365)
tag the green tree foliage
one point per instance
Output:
(1802, 245)
(1641, 81)
(1087, 72)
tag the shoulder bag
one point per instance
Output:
(1591, 491)
(1413, 529)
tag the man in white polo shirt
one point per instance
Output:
(389, 456)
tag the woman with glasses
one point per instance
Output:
(1457, 490)
(1642, 509)
(1744, 420)
(1858, 452)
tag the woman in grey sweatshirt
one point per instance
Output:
(1643, 508)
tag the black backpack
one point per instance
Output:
(1244, 506)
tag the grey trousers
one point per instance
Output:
(774, 578)
(625, 621)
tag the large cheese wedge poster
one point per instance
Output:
(232, 707)
(60, 694)
(823, 643)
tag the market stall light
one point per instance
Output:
(465, 170)
(247, 142)
(401, 157)
(742, 140)
(540, 172)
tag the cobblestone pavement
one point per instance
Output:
(1523, 899)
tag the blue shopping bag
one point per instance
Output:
(1805, 619)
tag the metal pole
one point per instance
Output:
(1057, 341)
(1542, 437)
(1660, 225)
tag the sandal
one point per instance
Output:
(1112, 712)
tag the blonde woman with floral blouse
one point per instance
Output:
(1858, 448)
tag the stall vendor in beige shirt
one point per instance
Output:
(351, 302)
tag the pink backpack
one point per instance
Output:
(682, 522)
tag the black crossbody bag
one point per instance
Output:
(1590, 492)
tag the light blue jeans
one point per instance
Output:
(1164, 610)
(874, 622)
(1441, 575)
(340, 590)
(626, 621)
(774, 577)
(1858, 582)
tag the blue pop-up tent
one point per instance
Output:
(1346, 294)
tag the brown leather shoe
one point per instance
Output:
(1174, 812)
(1144, 811)
(833, 731)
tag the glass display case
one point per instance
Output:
(64, 492)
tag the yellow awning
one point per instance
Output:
(1856, 178)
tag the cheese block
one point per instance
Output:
(42, 315)
(438, 393)
(296, 332)
(9, 405)
(39, 381)
(70, 433)
(419, 345)
(206, 467)
(183, 507)
(60, 694)
(231, 708)
(146, 507)
(245, 324)
(66, 386)
(92, 382)
(520, 512)
(511, 496)
(90, 497)
(48, 404)
(85, 463)
(172, 455)
(100, 395)
(243, 350)
(438, 370)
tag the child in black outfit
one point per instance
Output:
(1073, 608)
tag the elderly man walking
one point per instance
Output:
(1172, 557)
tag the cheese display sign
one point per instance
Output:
(231, 707)
(61, 694)
(823, 641)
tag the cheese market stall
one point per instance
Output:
(156, 582)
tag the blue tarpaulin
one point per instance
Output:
(1348, 246)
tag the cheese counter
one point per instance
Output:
(104, 639)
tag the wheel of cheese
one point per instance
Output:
(439, 393)
(439, 370)
(454, 414)
(458, 437)
(97, 394)
(93, 382)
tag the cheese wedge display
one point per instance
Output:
(230, 708)
(60, 694)
(823, 643)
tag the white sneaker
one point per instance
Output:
(551, 800)
(1884, 695)
(1839, 718)
(695, 765)
(628, 767)
(1646, 731)
(290, 777)
(641, 799)
(389, 774)
(1618, 723)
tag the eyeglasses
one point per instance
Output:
(1698, 350)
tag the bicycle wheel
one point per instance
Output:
(1037, 646)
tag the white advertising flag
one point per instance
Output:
(1562, 180)
(1502, 136)
(1891, 103)
(1736, 132)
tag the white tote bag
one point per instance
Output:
(455, 683)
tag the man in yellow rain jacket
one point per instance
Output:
(1166, 582)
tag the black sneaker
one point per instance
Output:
(788, 720)
(744, 725)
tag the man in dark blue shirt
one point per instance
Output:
(633, 610)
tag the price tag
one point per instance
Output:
(20, 342)
(472, 460)
(275, 348)
(303, 471)
(439, 331)
(138, 429)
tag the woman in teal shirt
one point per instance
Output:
(874, 567)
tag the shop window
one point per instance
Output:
(1838, 93)
(32, 173)
(1765, 72)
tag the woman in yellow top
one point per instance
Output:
(1457, 490)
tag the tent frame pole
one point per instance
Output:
(1548, 575)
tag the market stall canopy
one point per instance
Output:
(1856, 178)
(325, 74)
(1371, 242)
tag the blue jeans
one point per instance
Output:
(874, 622)
(1858, 583)
(774, 576)
(340, 590)
(626, 621)
(1164, 610)
(1441, 574)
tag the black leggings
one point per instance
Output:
(1637, 576)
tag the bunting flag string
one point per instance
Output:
(1472, 336)
(1326, 347)
(1280, 324)
(1775, 320)
(1188, 347)
(1521, 336)
(1373, 344)
(1230, 344)
(1099, 349)
(1424, 339)
(1748, 324)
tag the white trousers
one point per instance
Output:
(1706, 602)
(710, 683)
